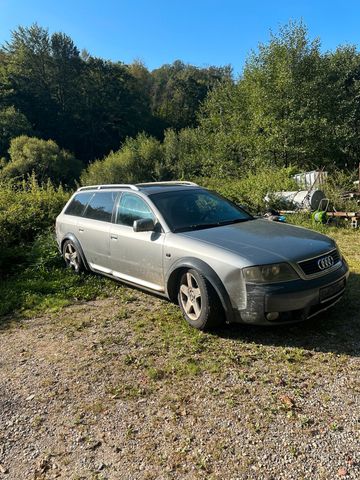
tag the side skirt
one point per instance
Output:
(127, 278)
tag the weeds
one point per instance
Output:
(43, 284)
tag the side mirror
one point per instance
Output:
(144, 225)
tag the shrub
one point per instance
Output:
(25, 211)
(339, 182)
(140, 159)
(182, 153)
(44, 157)
(251, 189)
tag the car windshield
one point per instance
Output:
(185, 210)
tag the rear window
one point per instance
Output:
(101, 206)
(78, 204)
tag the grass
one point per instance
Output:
(42, 284)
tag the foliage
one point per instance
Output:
(25, 211)
(44, 283)
(250, 190)
(289, 126)
(90, 105)
(12, 124)
(182, 153)
(292, 105)
(178, 89)
(43, 157)
(180, 156)
(339, 182)
(138, 160)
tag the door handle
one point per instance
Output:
(81, 229)
(113, 237)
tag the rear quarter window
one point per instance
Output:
(78, 204)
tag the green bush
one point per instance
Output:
(251, 188)
(25, 211)
(339, 182)
(44, 158)
(140, 159)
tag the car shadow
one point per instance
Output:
(336, 330)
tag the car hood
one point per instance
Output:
(264, 241)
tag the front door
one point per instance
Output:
(136, 256)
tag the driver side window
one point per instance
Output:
(132, 208)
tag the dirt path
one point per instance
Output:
(122, 390)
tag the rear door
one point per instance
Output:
(136, 256)
(94, 229)
(68, 221)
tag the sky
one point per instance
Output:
(200, 32)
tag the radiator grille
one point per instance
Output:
(311, 267)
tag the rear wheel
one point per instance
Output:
(72, 257)
(199, 302)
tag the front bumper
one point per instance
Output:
(294, 301)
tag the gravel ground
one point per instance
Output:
(123, 389)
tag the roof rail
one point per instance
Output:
(104, 187)
(172, 182)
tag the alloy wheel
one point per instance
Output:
(190, 296)
(71, 257)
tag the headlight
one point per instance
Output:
(277, 272)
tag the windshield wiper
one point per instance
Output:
(196, 226)
(202, 226)
(236, 220)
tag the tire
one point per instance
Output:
(199, 303)
(72, 257)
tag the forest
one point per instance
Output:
(70, 117)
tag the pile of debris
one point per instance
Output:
(310, 198)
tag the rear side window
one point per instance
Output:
(101, 206)
(78, 204)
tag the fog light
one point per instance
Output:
(271, 316)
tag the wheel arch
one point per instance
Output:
(72, 237)
(174, 275)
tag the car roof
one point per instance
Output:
(146, 188)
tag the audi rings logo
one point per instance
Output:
(325, 262)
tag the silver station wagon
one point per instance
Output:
(197, 249)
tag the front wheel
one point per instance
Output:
(199, 302)
(72, 257)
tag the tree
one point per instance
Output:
(12, 124)
(281, 111)
(44, 158)
(85, 104)
(283, 87)
(29, 70)
(111, 107)
(178, 90)
(223, 131)
(341, 88)
(183, 156)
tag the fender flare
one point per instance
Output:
(173, 276)
(71, 236)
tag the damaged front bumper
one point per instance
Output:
(293, 301)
